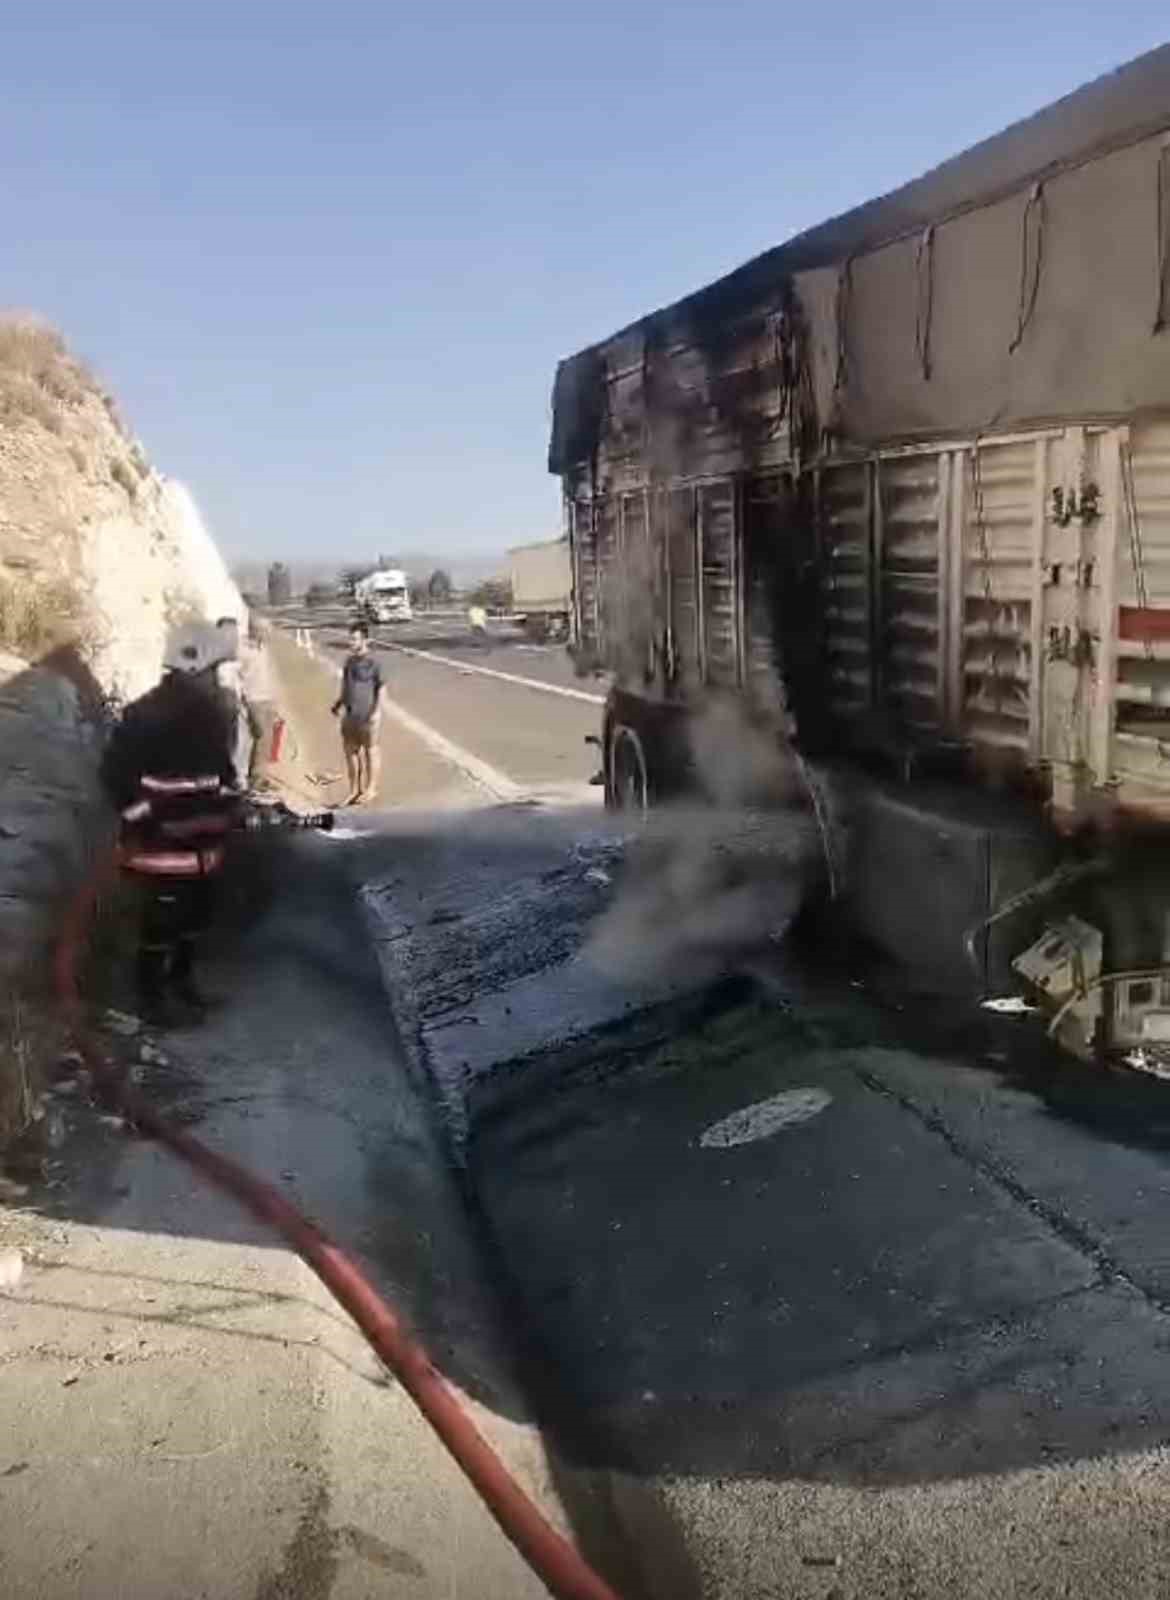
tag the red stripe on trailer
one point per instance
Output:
(1147, 624)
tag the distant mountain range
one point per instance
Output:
(464, 571)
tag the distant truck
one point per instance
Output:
(542, 585)
(384, 596)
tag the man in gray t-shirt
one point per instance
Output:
(359, 705)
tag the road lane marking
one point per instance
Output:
(766, 1117)
(493, 672)
(486, 777)
(490, 779)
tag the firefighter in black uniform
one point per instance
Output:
(168, 768)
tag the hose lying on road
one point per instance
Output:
(551, 1557)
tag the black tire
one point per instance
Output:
(629, 782)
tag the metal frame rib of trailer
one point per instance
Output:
(1002, 593)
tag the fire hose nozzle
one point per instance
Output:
(259, 819)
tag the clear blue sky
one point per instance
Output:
(328, 256)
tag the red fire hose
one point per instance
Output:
(554, 1560)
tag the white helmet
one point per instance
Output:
(196, 647)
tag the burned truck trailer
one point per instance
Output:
(902, 486)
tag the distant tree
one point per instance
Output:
(439, 587)
(279, 584)
(348, 579)
(493, 594)
(320, 594)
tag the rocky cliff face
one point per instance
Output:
(97, 548)
(49, 805)
(99, 555)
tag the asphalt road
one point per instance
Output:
(184, 1411)
(841, 1301)
(838, 1300)
(529, 732)
(911, 1341)
(772, 1288)
(505, 647)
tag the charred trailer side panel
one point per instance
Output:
(903, 484)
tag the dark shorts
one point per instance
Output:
(359, 733)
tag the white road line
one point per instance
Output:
(489, 778)
(766, 1117)
(486, 777)
(492, 672)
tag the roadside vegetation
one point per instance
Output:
(28, 1041)
(493, 594)
(38, 616)
(39, 379)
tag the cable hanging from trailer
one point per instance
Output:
(1031, 262)
(1163, 190)
(843, 306)
(1134, 527)
(924, 300)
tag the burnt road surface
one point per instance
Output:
(840, 1299)
(763, 1285)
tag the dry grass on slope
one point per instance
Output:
(37, 617)
(26, 1042)
(39, 380)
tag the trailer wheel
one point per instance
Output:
(629, 786)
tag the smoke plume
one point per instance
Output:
(709, 882)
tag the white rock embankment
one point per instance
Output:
(108, 555)
(142, 569)
(145, 566)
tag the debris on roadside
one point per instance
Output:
(607, 848)
(1008, 1005)
(1062, 968)
(1154, 1064)
(11, 1268)
(55, 1127)
(121, 1022)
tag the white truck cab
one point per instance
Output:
(385, 596)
